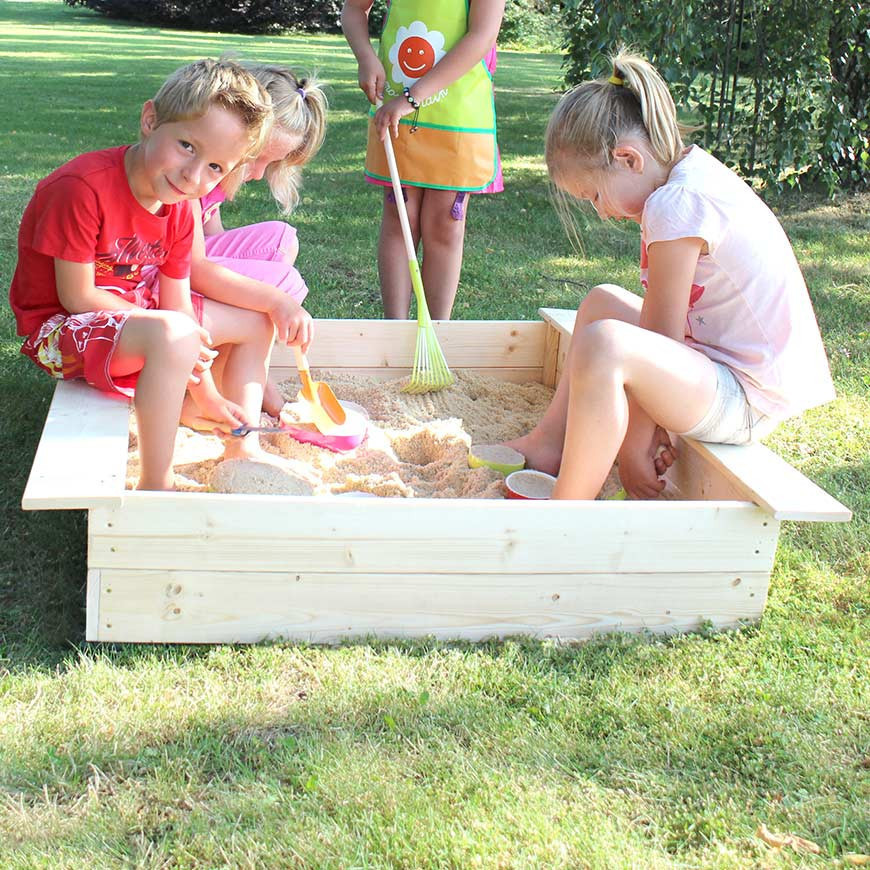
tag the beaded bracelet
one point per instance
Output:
(415, 105)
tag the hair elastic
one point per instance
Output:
(616, 80)
(301, 92)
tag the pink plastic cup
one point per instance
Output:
(529, 484)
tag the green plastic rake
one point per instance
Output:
(430, 370)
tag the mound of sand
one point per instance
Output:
(416, 447)
(249, 475)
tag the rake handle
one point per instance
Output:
(410, 250)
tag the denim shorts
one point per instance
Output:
(731, 419)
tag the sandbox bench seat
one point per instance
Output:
(210, 567)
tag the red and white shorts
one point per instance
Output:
(81, 346)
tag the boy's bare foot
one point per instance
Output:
(540, 454)
(248, 447)
(160, 484)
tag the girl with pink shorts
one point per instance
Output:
(253, 266)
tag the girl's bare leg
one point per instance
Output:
(392, 256)
(273, 401)
(163, 347)
(291, 251)
(542, 447)
(443, 244)
(245, 339)
(609, 361)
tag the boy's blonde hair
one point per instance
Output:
(192, 90)
(593, 117)
(299, 106)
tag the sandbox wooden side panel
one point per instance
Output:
(202, 607)
(694, 477)
(523, 375)
(560, 327)
(212, 532)
(389, 344)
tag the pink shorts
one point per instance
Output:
(263, 251)
(82, 345)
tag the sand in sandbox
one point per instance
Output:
(417, 445)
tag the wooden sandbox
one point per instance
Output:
(208, 567)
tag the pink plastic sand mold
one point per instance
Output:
(348, 437)
(335, 443)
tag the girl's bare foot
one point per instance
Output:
(192, 418)
(273, 401)
(540, 453)
(190, 415)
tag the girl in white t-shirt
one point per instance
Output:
(724, 343)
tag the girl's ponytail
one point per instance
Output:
(299, 106)
(656, 104)
(591, 118)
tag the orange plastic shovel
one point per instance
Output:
(326, 411)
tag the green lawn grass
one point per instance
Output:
(624, 752)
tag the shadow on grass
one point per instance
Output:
(43, 555)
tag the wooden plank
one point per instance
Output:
(549, 375)
(390, 344)
(770, 482)
(694, 477)
(214, 532)
(92, 605)
(511, 375)
(81, 459)
(201, 607)
(561, 319)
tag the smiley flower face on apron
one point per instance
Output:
(415, 51)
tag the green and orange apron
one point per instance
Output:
(454, 146)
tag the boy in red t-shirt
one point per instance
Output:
(94, 223)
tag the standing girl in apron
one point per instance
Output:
(433, 73)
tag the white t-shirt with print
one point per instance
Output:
(749, 307)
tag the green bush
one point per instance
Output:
(528, 23)
(236, 16)
(780, 90)
(531, 24)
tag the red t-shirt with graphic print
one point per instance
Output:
(85, 212)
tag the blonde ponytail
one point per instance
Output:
(656, 104)
(593, 117)
(299, 106)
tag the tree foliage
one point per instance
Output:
(526, 22)
(780, 88)
(229, 16)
